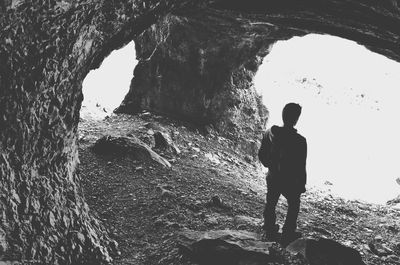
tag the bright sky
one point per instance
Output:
(349, 97)
(109, 84)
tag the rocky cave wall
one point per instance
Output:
(200, 67)
(46, 50)
(48, 47)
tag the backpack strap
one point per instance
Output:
(264, 154)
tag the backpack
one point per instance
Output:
(279, 154)
(264, 154)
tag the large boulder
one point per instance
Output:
(231, 247)
(325, 252)
(118, 145)
(224, 247)
(164, 142)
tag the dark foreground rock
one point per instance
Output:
(128, 145)
(230, 247)
(243, 247)
(224, 247)
(325, 252)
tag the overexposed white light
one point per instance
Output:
(349, 114)
(105, 88)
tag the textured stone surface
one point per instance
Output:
(372, 23)
(200, 68)
(164, 142)
(232, 247)
(112, 145)
(48, 47)
(46, 50)
(325, 252)
(224, 247)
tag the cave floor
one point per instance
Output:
(125, 194)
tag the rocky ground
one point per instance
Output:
(210, 186)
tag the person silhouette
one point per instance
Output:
(284, 152)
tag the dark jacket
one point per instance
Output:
(284, 152)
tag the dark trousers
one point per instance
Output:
(293, 200)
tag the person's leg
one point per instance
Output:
(269, 212)
(292, 214)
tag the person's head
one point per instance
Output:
(290, 114)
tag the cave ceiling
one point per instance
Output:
(373, 24)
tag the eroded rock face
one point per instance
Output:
(200, 68)
(48, 47)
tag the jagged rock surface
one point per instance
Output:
(46, 50)
(231, 247)
(164, 142)
(200, 68)
(323, 251)
(243, 247)
(112, 145)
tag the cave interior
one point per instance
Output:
(196, 62)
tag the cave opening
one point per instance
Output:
(348, 95)
(104, 88)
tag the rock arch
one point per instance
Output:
(199, 64)
(48, 47)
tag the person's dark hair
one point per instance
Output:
(291, 113)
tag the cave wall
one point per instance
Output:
(46, 50)
(48, 47)
(200, 68)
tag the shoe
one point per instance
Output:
(271, 234)
(288, 238)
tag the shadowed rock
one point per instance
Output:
(208, 80)
(164, 142)
(123, 145)
(232, 247)
(224, 247)
(325, 252)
